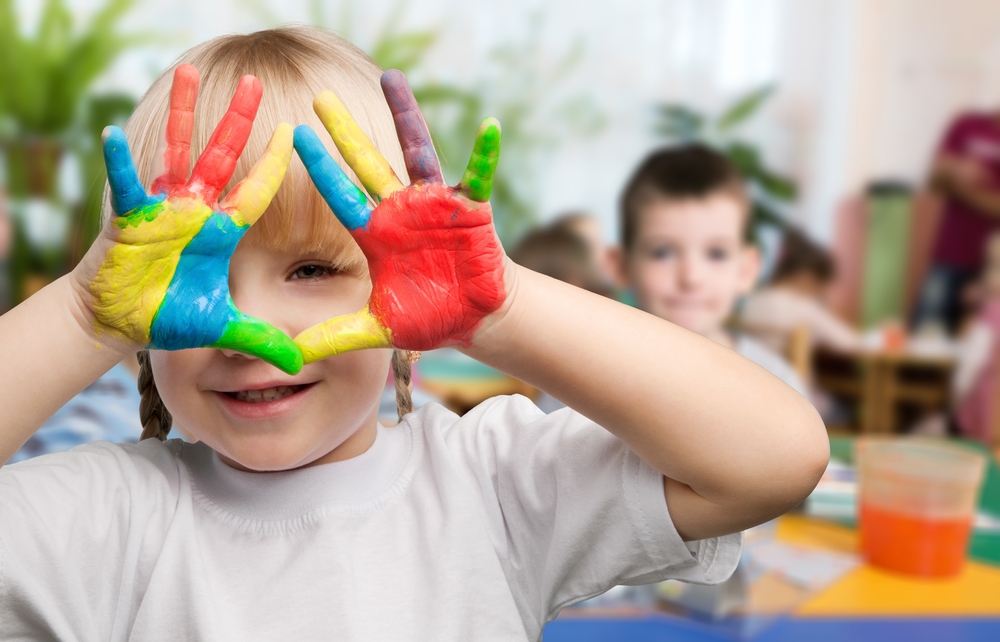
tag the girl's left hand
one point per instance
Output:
(436, 264)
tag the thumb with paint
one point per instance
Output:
(437, 267)
(158, 275)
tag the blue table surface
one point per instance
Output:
(675, 629)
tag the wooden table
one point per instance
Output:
(880, 382)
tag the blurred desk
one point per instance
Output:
(865, 605)
(881, 382)
(462, 383)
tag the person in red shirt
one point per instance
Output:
(966, 172)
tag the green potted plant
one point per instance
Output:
(769, 190)
(44, 80)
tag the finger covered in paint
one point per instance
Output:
(251, 196)
(127, 192)
(477, 181)
(418, 149)
(260, 339)
(346, 199)
(358, 331)
(217, 163)
(372, 169)
(180, 125)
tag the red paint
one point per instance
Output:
(436, 266)
(180, 125)
(217, 163)
(913, 544)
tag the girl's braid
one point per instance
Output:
(155, 417)
(401, 362)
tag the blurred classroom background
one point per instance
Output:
(868, 131)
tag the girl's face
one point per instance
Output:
(256, 416)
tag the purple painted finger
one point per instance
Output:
(418, 150)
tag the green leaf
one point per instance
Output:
(745, 157)
(679, 122)
(743, 108)
(776, 186)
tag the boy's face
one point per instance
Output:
(689, 263)
(330, 404)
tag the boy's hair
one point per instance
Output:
(800, 255)
(560, 253)
(688, 172)
(293, 64)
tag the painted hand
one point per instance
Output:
(164, 283)
(435, 261)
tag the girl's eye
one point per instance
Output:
(718, 254)
(662, 253)
(311, 271)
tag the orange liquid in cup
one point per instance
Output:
(913, 544)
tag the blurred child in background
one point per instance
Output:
(974, 382)
(686, 254)
(796, 298)
(563, 254)
(587, 227)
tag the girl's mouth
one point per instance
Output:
(267, 394)
(264, 403)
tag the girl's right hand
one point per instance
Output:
(158, 275)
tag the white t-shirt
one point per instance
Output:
(772, 362)
(474, 528)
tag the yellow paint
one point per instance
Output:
(136, 272)
(358, 331)
(251, 197)
(868, 591)
(373, 171)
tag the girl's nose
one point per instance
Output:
(238, 355)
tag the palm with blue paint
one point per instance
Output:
(164, 282)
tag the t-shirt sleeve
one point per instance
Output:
(65, 535)
(573, 511)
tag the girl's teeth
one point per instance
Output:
(261, 396)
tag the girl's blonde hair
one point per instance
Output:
(294, 64)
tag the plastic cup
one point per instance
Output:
(916, 504)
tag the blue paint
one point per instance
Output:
(197, 307)
(665, 627)
(346, 199)
(127, 192)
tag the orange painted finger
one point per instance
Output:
(217, 163)
(373, 171)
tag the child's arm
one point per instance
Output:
(736, 445)
(139, 284)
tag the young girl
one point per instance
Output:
(295, 515)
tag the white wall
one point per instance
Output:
(865, 85)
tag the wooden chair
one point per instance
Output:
(798, 352)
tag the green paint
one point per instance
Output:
(141, 214)
(255, 337)
(478, 177)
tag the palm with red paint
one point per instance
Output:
(435, 261)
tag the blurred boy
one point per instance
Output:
(686, 255)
